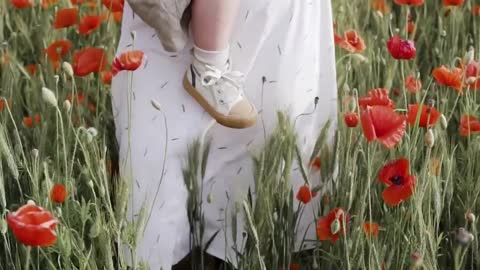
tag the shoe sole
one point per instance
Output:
(231, 122)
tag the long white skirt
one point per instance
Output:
(286, 46)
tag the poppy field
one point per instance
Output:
(400, 185)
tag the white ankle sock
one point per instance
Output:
(214, 58)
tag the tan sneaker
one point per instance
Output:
(220, 93)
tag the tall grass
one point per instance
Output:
(63, 148)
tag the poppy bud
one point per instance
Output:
(417, 259)
(470, 217)
(429, 138)
(275, 216)
(379, 14)
(34, 153)
(469, 55)
(49, 97)
(67, 106)
(443, 121)
(314, 264)
(93, 131)
(335, 226)
(101, 191)
(90, 184)
(471, 80)
(68, 69)
(31, 202)
(443, 33)
(463, 237)
(156, 105)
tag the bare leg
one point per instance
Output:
(212, 22)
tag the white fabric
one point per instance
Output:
(286, 50)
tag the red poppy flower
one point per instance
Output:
(305, 194)
(89, 60)
(371, 228)
(114, 5)
(469, 124)
(383, 124)
(476, 10)
(47, 3)
(428, 116)
(77, 2)
(21, 3)
(332, 226)
(294, 266)
(380, 5)
(106, 77)
(2, 104)
(57, 50)
(351, 119)
(412, 84)
(472, 75)
(58, 193)
(33, 226)
(65, 18)
(409, 2)
(449, 77)
(129, 60)
(117, 16)
(401, 48)
(410, 26)
(400, 183)
(80, 98)
(28, 121)
(31, 69)
(378, 96)
(351, 42)
(89, 23)
(453, 2)
(316, 164)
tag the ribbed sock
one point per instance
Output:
(214, 58)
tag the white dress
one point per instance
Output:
(287, 43)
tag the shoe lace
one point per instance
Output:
(235, 78)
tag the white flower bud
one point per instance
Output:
(68, 69)
(35, 153)
(31, 202)
(379, 14)
(443, 121)
(92, 131)
(429, 138)
(443, 33)
(471, 80)
(470, 217)
(49, 97)
(67, 106)
(156, 105)
(469, 55)
(90, 184)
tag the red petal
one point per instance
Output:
(428, 116)
(367, 125)
(389, 125)
(323, 229)
(394, 194)
(397, 167)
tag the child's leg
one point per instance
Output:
(211, 24)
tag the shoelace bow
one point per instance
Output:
(235, 78)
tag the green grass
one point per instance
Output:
(60, 149)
